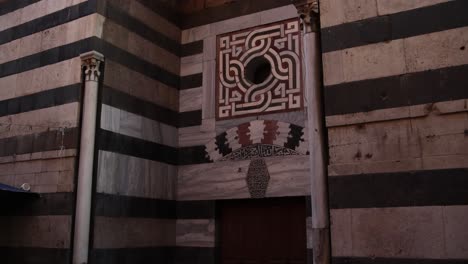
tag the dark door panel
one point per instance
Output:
(263, 231)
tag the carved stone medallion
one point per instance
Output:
(257, 178)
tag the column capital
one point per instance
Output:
(308, 11)
(90, 61)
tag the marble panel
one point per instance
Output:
(192, 59)
(190, 99)
(131, 176)
(195, 232)
(278, 14)
(208, 102)
(289, 176)
(209, 48)
(193, 136)
(195, 33)
(110, 118)
(298, 118)
(191, 68)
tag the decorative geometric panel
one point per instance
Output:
(258, 138)
(257, 178)
(259, 71)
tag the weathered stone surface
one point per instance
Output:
(373, 61)
(456, 233)
(437, 50)
(341, 232)
(333, 69)
(388, 6)
(405, 232)
(335, 12)
(399, 145)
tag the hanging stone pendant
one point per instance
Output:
(257, 178)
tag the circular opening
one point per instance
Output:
(257, 70)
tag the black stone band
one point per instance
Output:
(417, 188)
(191, 81)
(11, 5)
(439, 17)
(195, 255)
(430, 86)
(66, 138)
(149, 110)
(196, 209)
(135, 147)
(49, 98)
(223, 12)
(46, 204)
(113, 205)
(34, 255)
(377, 260)
(179, 255)
(192, 48)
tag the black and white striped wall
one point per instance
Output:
(40, 93)
(395, 76)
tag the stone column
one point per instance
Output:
(90, 62)
(308, 12)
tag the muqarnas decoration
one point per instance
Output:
(259, 71)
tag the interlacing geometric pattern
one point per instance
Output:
(257, 139)
(277, 44)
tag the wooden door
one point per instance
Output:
(263, 231)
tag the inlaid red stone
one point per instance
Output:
(244, 134)
(269, 133)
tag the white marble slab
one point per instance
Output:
(289, 176)
(195, 232)
(131, 176)
(193, 136)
